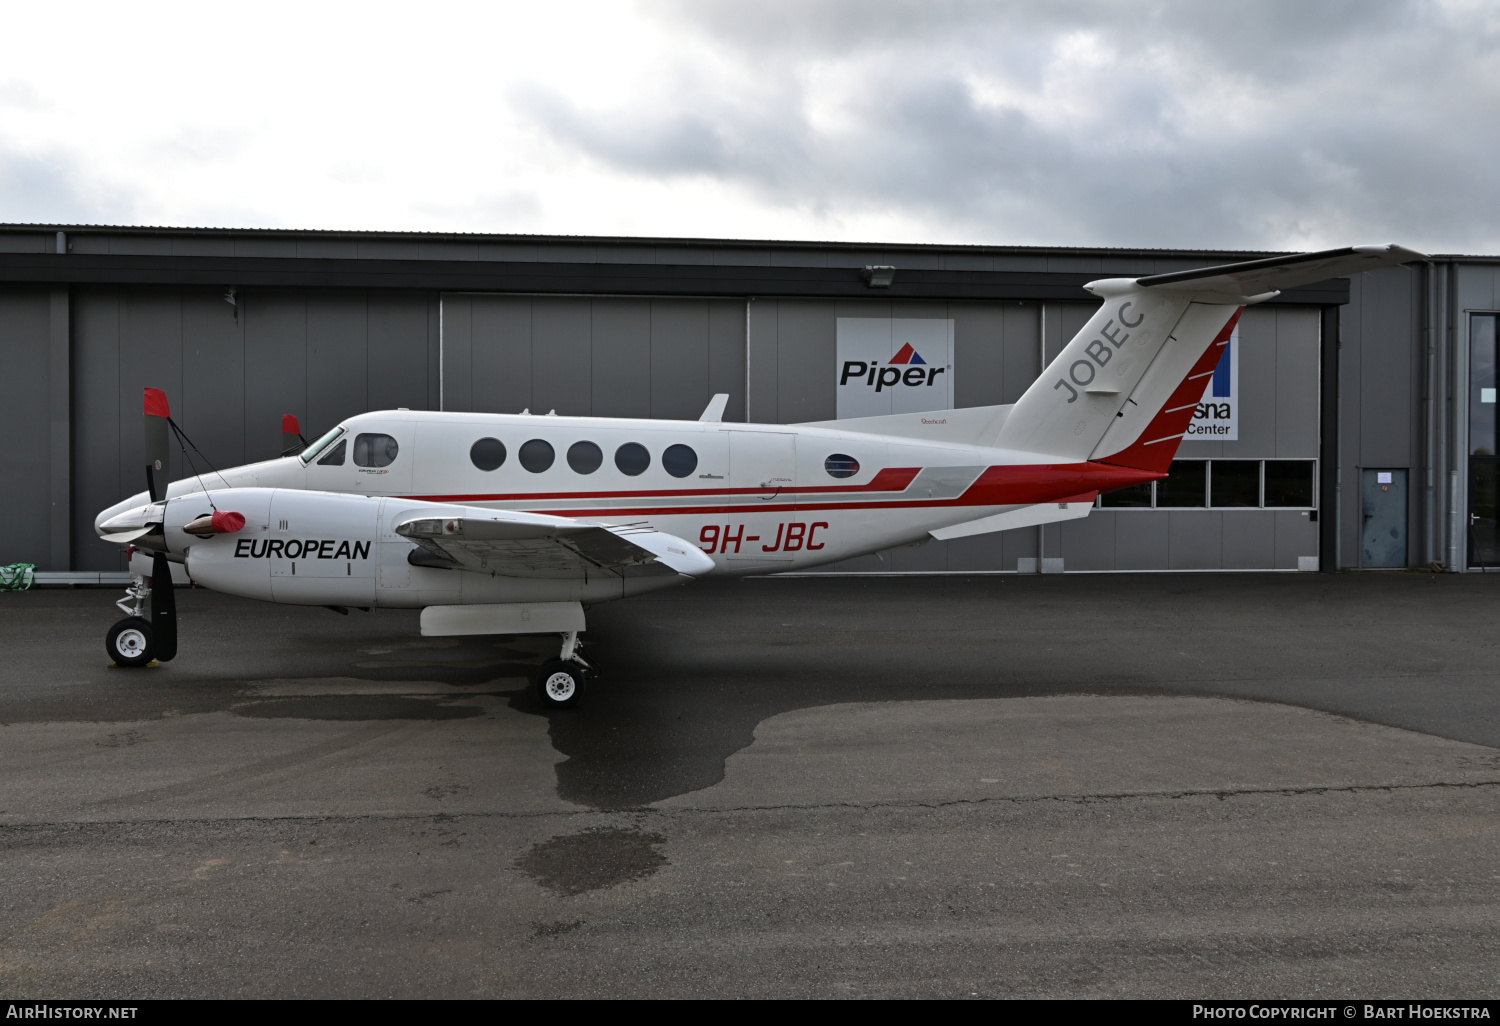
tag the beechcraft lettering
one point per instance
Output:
(508, 523)
(293, 548)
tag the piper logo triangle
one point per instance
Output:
(908, 355)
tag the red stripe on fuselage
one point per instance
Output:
(1021, 485)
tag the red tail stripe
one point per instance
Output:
(1176, 414)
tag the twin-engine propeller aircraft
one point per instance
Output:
(509, 524)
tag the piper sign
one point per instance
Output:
(891, 365)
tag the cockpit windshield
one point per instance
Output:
(311, 452)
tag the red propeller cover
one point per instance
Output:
(289, 424)
(227, 523)
(156, 403)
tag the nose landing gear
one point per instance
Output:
(560, 681)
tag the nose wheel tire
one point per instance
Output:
(559, 684)
(129, 642)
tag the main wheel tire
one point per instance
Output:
(559, 684)
(129, 642)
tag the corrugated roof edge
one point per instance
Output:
(625, 240)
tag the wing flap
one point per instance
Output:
(550, 547)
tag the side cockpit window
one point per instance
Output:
(335, 457)
(372, 450)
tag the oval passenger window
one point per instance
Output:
(585, 457)
(632, 458)
(375, 450)
(537, 455)
(487, 453)
(679, 460)
(839, 465)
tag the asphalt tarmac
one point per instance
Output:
(1204, 785)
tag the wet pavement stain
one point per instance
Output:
(355, 707)
(593, 860)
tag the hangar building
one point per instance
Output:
(1352, 427)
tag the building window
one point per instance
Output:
(585, 457)
(1136, 496)
(632, 459)
(1185, 486)
(679, 460)
(375, 450)
(1289, 483)
(487, 453)
(1234, 483)
(536, 455)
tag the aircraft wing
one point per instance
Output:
(1271, 274)
(558, 549)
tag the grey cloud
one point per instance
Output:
(1381, 127)
(54, 188)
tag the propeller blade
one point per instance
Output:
(163, 610)
(292, 441)
(158, 451)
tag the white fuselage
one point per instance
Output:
(753, 498)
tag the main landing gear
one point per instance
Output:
(560, 681)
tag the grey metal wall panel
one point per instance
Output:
(25, 508)
(679, 358)
(211, 408)
(457, 367)
(202, 246)
(97, 477)
(1474, 288)
(979, 552)
(276, 376)
(1296, 535)
(624, 358)
(501, 355)
(561, 356)
(1385, 396)
(1249, 540)
(805, 345)
(1090, 543)
(434, 309)
(150, 356)
(979, 350)
(1142, 540)
(27, 242)
(764, 373)
(397, 350)
(1195, 540)
(1023, 332)
(1296, 388)
(337, 359)
(929, 558)
(328, 249)
(726, 355)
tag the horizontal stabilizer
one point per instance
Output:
(1256, 277)
(1026, 516)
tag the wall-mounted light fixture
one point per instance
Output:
(879, 276)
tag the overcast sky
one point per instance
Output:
(1267, 124)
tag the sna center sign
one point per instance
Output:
(1217, 418)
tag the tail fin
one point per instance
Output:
(1124, 389)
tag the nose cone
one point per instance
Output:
(132, 524)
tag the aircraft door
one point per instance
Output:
(765, 461)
